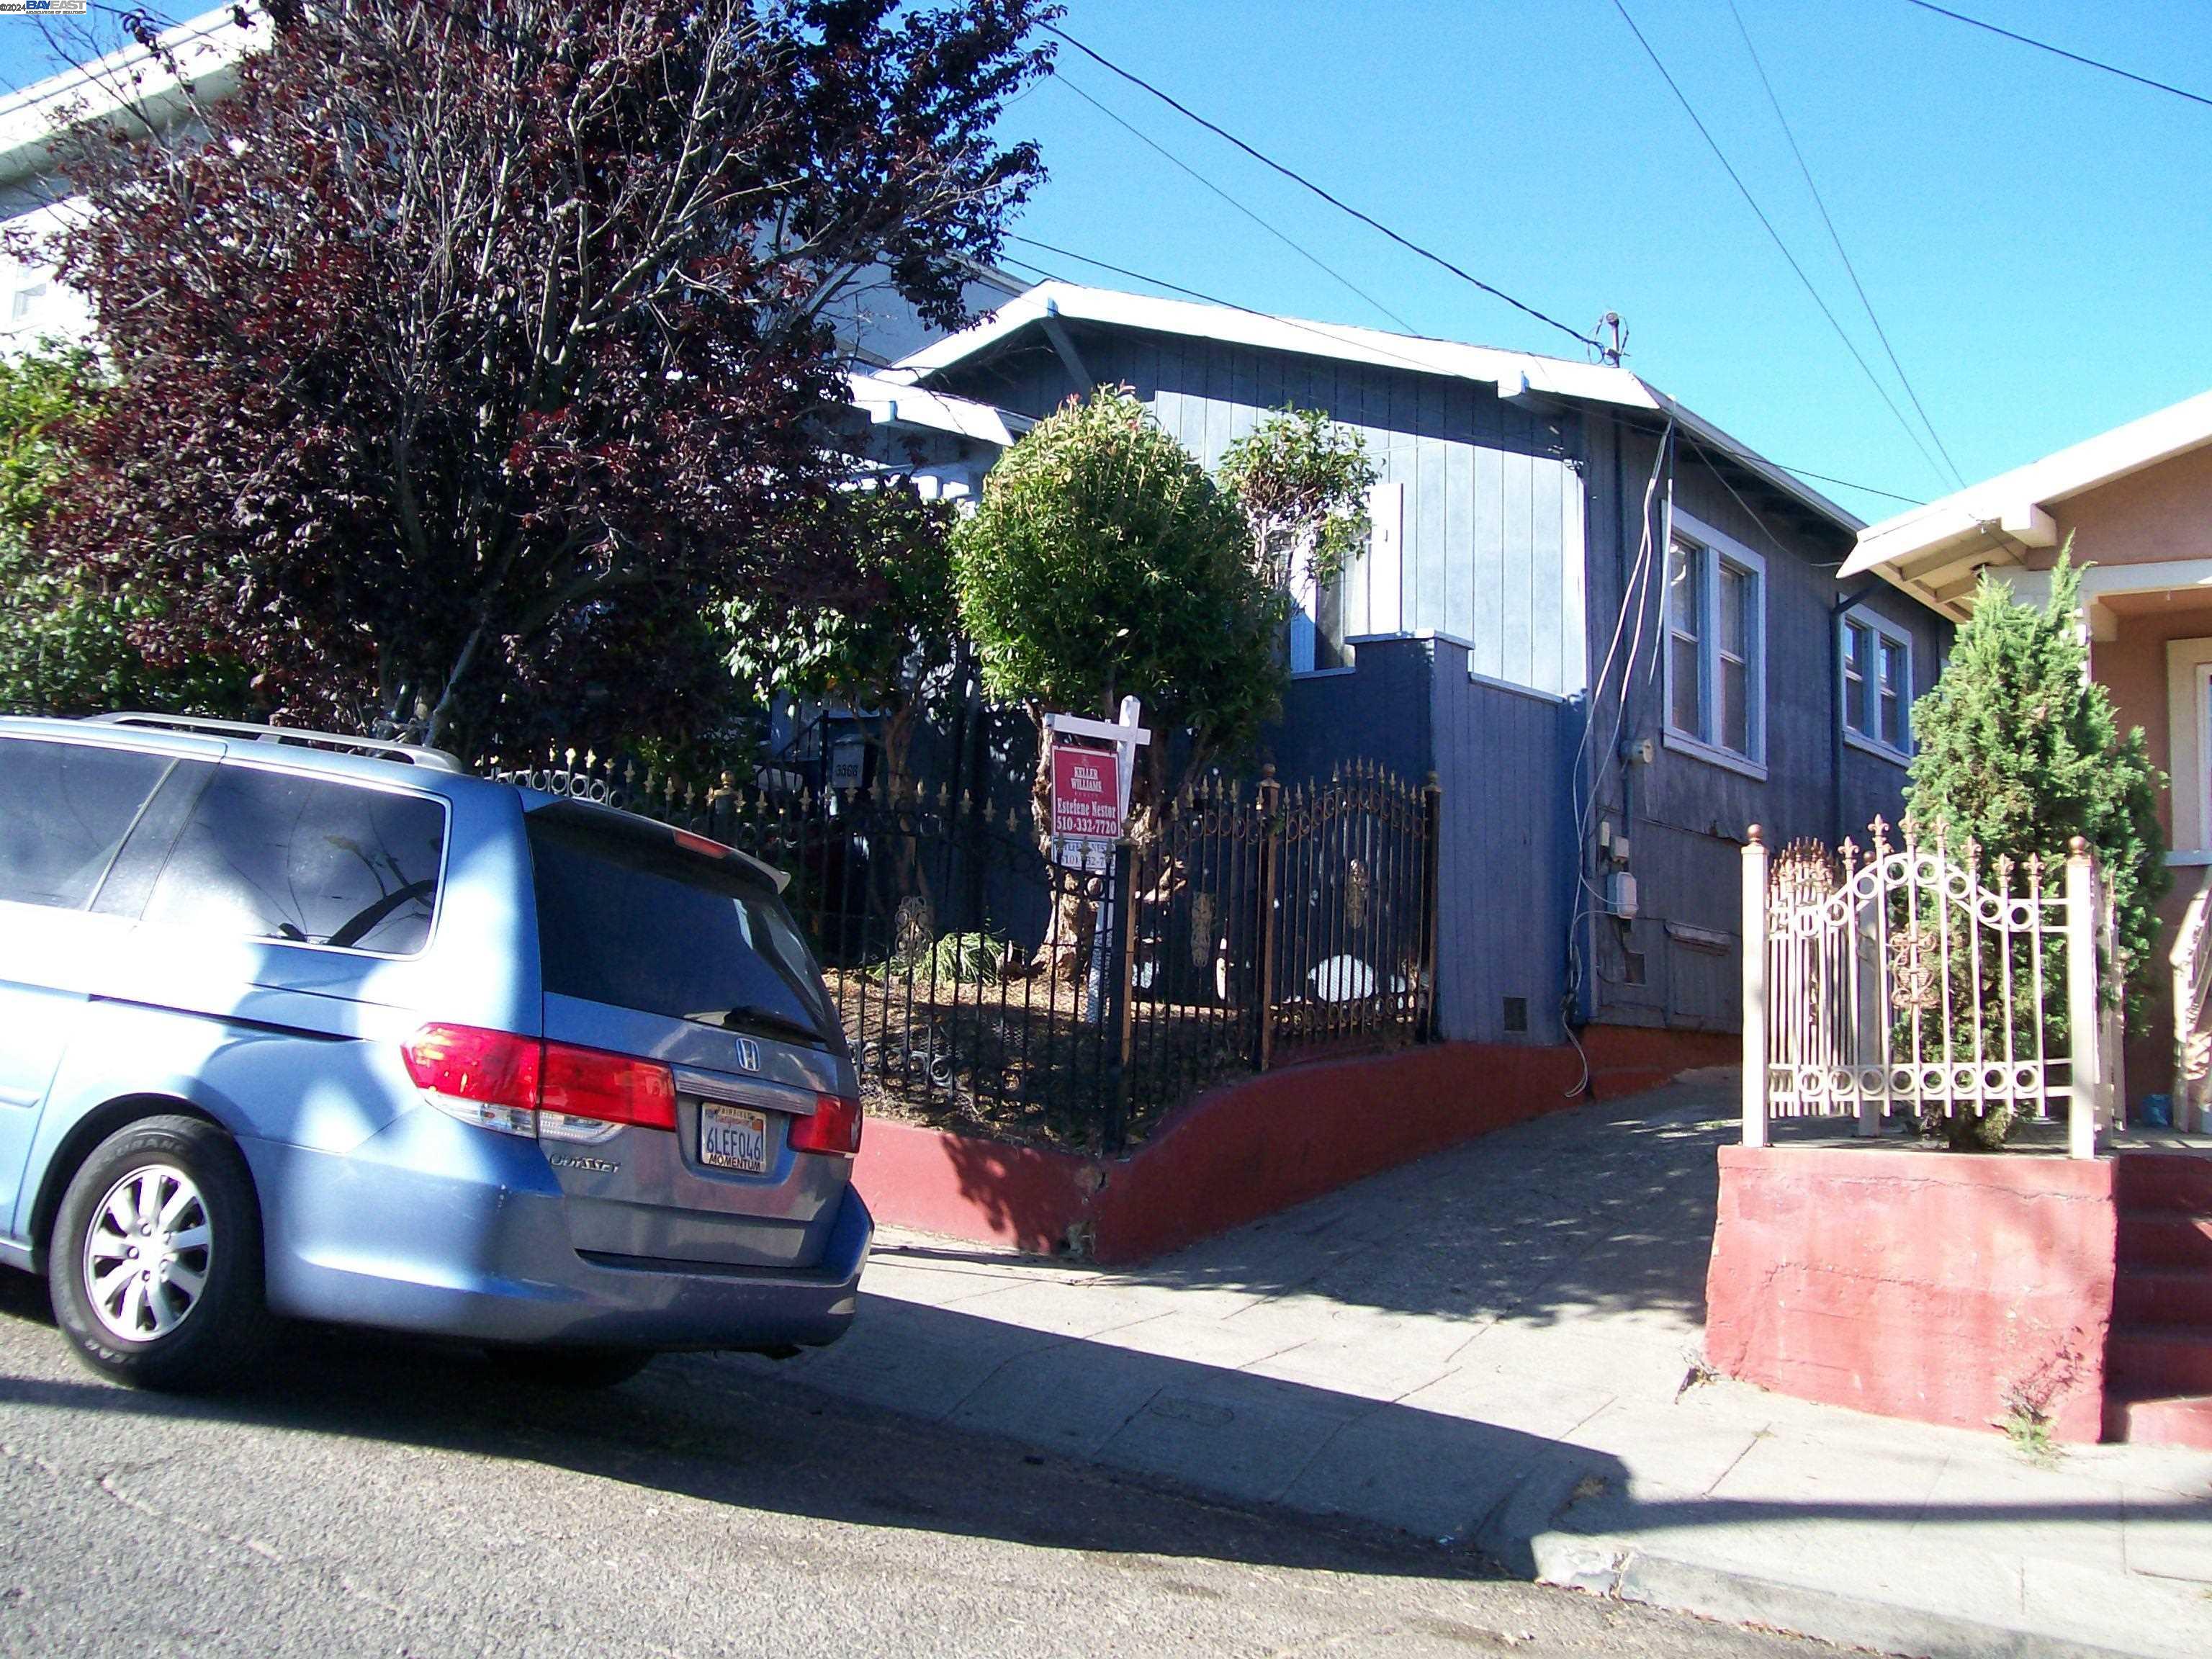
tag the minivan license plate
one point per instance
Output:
(732, 1138)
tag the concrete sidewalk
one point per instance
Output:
(1496, 1346)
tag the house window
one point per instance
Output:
(1317, 630)
(26, 300)
(2189, 754)
(1716, 647)
(1877, 684)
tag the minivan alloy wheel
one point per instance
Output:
(147, 1253)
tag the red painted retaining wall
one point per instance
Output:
(1915, 1284)
(1244, 1150)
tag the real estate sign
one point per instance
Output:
(1086, 799)
(1092, 764)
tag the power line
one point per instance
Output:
(1338, 203)
(1890, 494)
(2061, 51)
(1281, 236)
(1424, 367)
(1727, 165)
(1836, 237)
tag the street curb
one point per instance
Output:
(1612, 1567)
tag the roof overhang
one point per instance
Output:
(900, 403)
(1937, 552)
(206, 51)
(1046, 307)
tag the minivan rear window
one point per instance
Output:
(309, 860)
(64, 809)
(627, 917)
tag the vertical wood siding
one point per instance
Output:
(1502, 873)
(1688, 817)
(1519, 526)
(1491, 551)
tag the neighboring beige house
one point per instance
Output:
(2137, 503)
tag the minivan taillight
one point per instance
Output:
(590, 1083)
(523, 1086)
(835, 1126)
(487, 1078)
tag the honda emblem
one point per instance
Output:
(749, 1054)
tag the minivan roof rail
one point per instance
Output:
(436, 760)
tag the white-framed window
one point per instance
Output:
(1716, 647)
(2188, 748)
(26, 300)
(1877, 689)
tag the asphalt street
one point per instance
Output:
(369, 1498)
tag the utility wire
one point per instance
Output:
(1836, 237)
(2061, 51)
(1338, 203)
(1889, 494)
(1173, 160)
(1712, 143)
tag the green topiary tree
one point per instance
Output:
(1103, 562)
(2020, 749)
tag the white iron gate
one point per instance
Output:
(1910, 979)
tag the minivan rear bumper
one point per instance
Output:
(486, 1257)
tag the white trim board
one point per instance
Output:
(2015, 502)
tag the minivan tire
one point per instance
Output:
(194, 1339)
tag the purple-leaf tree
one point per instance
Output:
(465, 357)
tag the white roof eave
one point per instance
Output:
(897, 403)
(2019, 495)
(1511, 371)
(207, 48)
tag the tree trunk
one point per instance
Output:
(909, 869)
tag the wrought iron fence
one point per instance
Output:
(1909, 977)
(981, 985)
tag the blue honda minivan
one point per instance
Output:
(301, 1025)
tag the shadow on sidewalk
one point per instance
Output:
(739, 1432)
(751, 1436)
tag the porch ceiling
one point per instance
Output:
(2173, 605)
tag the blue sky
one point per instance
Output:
(2033, 234)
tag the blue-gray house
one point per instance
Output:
(1614, 633)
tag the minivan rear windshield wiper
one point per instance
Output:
(747, 1016)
